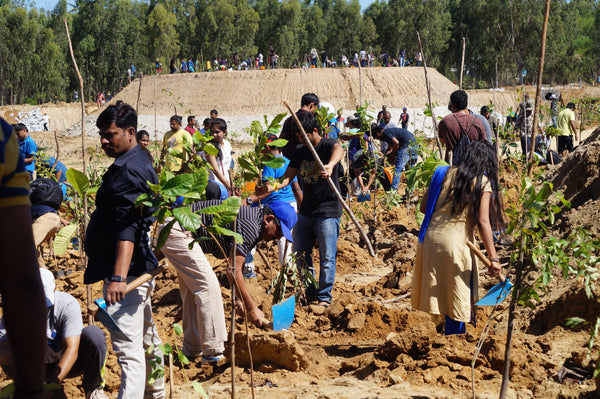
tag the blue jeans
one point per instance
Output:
(306, 231)
(402, 157)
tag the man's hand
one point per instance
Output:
(256, 317)
(262, 189)
(327, 171)
(115, 292)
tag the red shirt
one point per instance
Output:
(190, 129)
(450, 128)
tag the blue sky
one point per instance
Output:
(49, 4)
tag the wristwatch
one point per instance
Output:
(249, 201)
(118, 279)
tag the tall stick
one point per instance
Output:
(359, 84)
(519, 268)
(85, 204)
(137, 103)
(462, 64)
(435, 133)
(155, 124)
(538, 89)
(232, 337)
(331, 184)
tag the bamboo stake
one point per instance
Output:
(155, 124)
(85, 204)
(435, 133)
(232, 337)
(331, 184)
(137, 103)
(519, 269)
(462, 64)
(170, 376)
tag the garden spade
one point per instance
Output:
(98, 307)
(283, 315)
(497, 293)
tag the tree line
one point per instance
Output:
(502, 38)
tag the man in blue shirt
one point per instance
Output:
(117, 246)
(401, 145)
(27, 147)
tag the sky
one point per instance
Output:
(50, 4)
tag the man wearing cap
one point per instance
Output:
(320, 210)
(566, 128)
(402, 149)
(254, 224)
(72, 349)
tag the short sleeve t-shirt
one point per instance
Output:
(319, 200)
(450, 129)
(248, 225)
(285, 194)
(64, 321)
(564, 122)
(175, 141)
(403, 136)
(14, 183)
(28, 149)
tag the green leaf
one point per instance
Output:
(178, 330)
(222, 231)
(278, 143)
(275, 163)
(63, 237)
(78, 180)
(210, 149)
(178, 185)
(276, 122)
(574, 322)
(187, 219)
(164, 234)
(183, 358)
(256, 129)
(199, 389)
(200, 178)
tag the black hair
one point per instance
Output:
(308, 122)
(191, 118)
(376, 129)
(20, 126)
(484, 109)
(219, 123)
(571, 105)
(176, 118)
(459, 99)
(206, 122)
(309, 98)
(122, 114)
(214, 111)
(479, 160)
(140, 134)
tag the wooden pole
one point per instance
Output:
(331, 184)
(435, 133)
(137, 103)
(462, 64)
(85, 204)
(519, 268)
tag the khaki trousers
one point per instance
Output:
(44, 228)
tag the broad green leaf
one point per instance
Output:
(183, 358)
(222, 231)
(210, 149)
(78, 180)
(278, 143)
(256, 128)
(187, 219)
(63, 237)
(164, 234)
(276, 122)
(200, 178)
(178, 329)
(275, 163)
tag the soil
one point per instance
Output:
(369, 343)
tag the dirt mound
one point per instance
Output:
(263, 92)
(578, 177)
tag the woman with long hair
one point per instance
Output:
(221, 163)
(459, 199)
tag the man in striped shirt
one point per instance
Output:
(271, 222)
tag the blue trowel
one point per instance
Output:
(497, 293)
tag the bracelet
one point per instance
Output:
(494, 259)
(275, 185)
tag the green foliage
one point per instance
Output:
(289, 273)
(63, 237)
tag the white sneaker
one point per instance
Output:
(96, 394)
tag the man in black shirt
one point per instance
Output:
(320, 210)
(117, 245)
(308, 105)
(401, 147)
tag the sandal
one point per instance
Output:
(323, 303)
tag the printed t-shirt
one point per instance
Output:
(319, 200)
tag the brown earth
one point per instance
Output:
(368, 343)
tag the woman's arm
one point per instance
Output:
(212, 160)
(487, 236)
